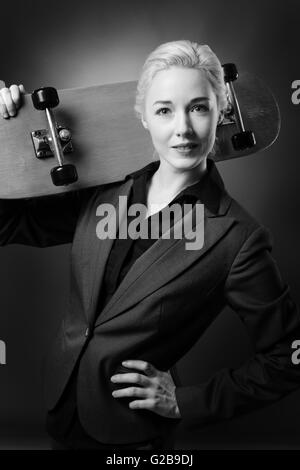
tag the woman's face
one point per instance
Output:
(181, 108)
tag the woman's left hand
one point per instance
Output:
(155, 389)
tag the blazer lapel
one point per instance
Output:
(156, 266)
(99, 249)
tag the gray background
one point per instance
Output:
(65, 44)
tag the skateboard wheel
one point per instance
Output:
(243, 140)
(43, 98)
(63, 175)
(230, 72)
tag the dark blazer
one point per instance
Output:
(163, 305)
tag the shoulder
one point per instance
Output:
(116, 187)
(247, 229)
(104, 193)
(242, 215)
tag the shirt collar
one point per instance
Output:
(210, 190)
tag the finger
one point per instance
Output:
(130, 378)
(7, 100)
(15, 95)
(148, 404)
(131, 392)
(22, 89)
(144, 366)
(2, 84)
(3, 109)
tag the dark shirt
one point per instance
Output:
(62, 422)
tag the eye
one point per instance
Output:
(162, 111)
(202, 108)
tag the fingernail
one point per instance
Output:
(6, 116)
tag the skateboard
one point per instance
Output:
(71, 139)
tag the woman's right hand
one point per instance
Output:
(10, 100)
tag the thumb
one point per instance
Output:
(2, 84)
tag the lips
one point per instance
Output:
(185, 146)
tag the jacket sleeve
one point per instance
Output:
(255, 291)
(41, 222)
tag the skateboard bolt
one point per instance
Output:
(230, 110)
(65, 135)
(41, 154)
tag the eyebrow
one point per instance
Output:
(199, 98)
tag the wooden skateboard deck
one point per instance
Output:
(108, 140)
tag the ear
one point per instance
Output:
(144, 122)
(221, 117)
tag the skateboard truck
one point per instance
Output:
(244, 139)
(57, 142)
(42, 142)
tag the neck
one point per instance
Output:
(172, 180)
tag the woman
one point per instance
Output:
(147, 301)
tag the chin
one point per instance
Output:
(185, 162)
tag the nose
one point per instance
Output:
(183, 124)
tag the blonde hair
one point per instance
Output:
(183, 53)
